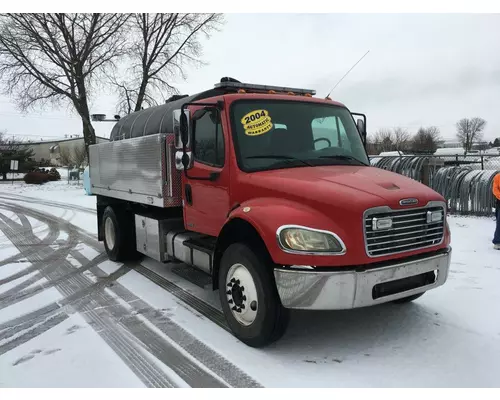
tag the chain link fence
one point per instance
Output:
(466, 182)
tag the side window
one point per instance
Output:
(329, 132)
(208, 142)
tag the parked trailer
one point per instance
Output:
(269, 191)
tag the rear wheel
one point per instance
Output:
(249, 297)
(408, 299)
(119, 235)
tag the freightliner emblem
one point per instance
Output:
(408, 202)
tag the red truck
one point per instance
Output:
(270, 191)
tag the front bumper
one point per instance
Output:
(338, 290)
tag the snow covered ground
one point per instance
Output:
(62, 191)
(85, 321)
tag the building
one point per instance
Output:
(454, 144)
(49, 152)
(449, 144)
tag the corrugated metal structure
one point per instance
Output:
(467, 186)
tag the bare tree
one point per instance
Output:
(55, 58)
(401, 138)
(426, 140)
(65, 156)
(384, 140)
(79, 156)
(162, 45)
(76, 157)
(470, 131)
(371, 146)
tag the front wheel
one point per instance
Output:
(249, 297)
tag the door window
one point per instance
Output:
(208, 142)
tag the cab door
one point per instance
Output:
(206, 202)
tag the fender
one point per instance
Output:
(267, 215)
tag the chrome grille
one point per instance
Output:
(410, 231)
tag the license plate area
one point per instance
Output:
(402, 285)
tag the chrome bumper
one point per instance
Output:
(338, 290)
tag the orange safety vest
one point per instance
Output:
(496, 186)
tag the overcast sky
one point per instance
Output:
(422, 69)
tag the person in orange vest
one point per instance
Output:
(496, 193)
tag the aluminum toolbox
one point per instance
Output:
(140, 169)
(151, 235)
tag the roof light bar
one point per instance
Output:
(265, 88)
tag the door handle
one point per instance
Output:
(214, 176)
(188, 193)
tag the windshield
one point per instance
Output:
(284, 134)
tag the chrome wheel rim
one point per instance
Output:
(109, 233)
(241, 294)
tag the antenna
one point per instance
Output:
(341, 79)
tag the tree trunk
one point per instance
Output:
(88, 134)
(141, 94)
(88, 129)
(82, 107)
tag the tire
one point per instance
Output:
(408, 299)
(270, 318)
(119, 235)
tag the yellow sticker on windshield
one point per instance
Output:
(257, 122)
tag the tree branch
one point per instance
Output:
(163, 44)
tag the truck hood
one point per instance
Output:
(334, 184)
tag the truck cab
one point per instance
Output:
(270, 191)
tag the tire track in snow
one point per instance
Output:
(197, 349)
(229, 372)
(67, 304)
(54, 257)
(31, 334)
(203, 308)
(25, 228)
(109, 318)
(49, 203)
(142, 365)
(26, 321)
(17, 294)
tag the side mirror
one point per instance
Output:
(183, 161)
(182, 129)
(361, 129)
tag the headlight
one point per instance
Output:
(301, 239)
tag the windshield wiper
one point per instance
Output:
(342, 157)
(280, 157)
